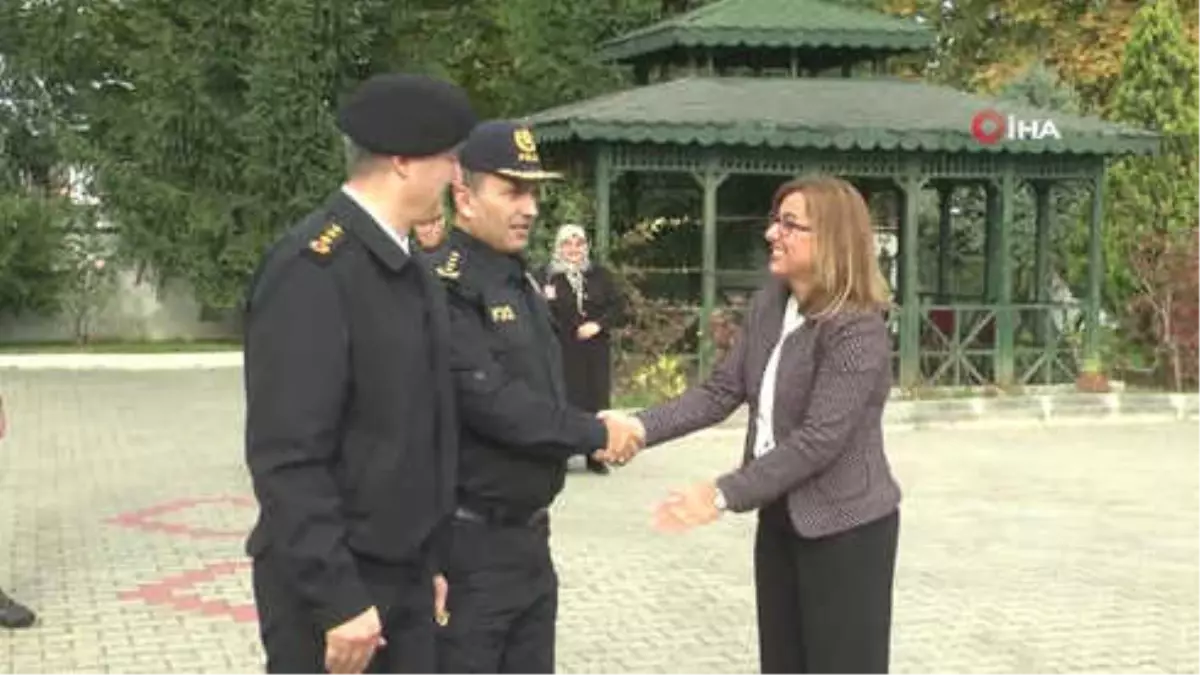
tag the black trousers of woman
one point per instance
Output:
(824, 605)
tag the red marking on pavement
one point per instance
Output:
(244, 613)
(148, 520)
(173, 592)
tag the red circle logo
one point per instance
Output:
(988, 126)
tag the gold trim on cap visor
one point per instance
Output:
(529, 175)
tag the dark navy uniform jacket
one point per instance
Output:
(351, 434)
(517, 428)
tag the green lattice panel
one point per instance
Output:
(650, 158)
(1057, 167)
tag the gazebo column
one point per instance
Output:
(945, 199)
(632, 188)
(604, 176)
(1095, 272)
(991, 226)
(910, 310)
(710, 181)
(1041, 257)
(1002, 263)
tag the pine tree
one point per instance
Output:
(1152, 202)
(208, 127)
(219, 131)
(32, 212)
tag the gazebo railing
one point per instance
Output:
(960, 346)
(1046, 342)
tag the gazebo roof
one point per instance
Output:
(773, 24)
(824, 113)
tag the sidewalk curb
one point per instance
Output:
(76, 361)
(1059, 409)
(1063, 407)
(1069, 407)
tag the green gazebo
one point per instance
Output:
(777, 88)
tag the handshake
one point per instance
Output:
(626, 437)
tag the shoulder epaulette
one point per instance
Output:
(325, 243)
(449, 266)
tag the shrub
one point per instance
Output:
(32, 230)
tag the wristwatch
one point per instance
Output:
(719, 500)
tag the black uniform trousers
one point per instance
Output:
(503, 599)
(825, 604)
(403, 594)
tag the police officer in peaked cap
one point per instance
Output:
(518, 430)
(351, 434)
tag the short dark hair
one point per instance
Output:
(472, 179)
(358, 158)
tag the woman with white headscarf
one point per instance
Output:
(587, 306)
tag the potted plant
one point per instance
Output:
(1092, 379)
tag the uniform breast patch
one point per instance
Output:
(502, 313)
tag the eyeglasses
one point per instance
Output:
(788, 224)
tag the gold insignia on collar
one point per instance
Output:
(450, 268)
(324, 242)
(502, 313)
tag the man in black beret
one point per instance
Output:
(351, 433)
(518, 430)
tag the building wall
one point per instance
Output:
(132, 312)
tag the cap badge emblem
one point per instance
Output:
(526, 147)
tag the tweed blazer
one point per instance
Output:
(833, 380)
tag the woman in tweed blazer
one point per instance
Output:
(814, 364)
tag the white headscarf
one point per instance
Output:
(573, 272)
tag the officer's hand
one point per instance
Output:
(626, 435)
(441, 589)
(588, 330)
(350, 646)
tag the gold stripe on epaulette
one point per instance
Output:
(324, 242)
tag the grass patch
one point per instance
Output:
(115, 347)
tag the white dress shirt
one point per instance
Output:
(401, 240)
(764, 431)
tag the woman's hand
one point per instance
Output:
(588, 330)
(688, 508)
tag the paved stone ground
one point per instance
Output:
(123, 504)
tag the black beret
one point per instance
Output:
(406, 115)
